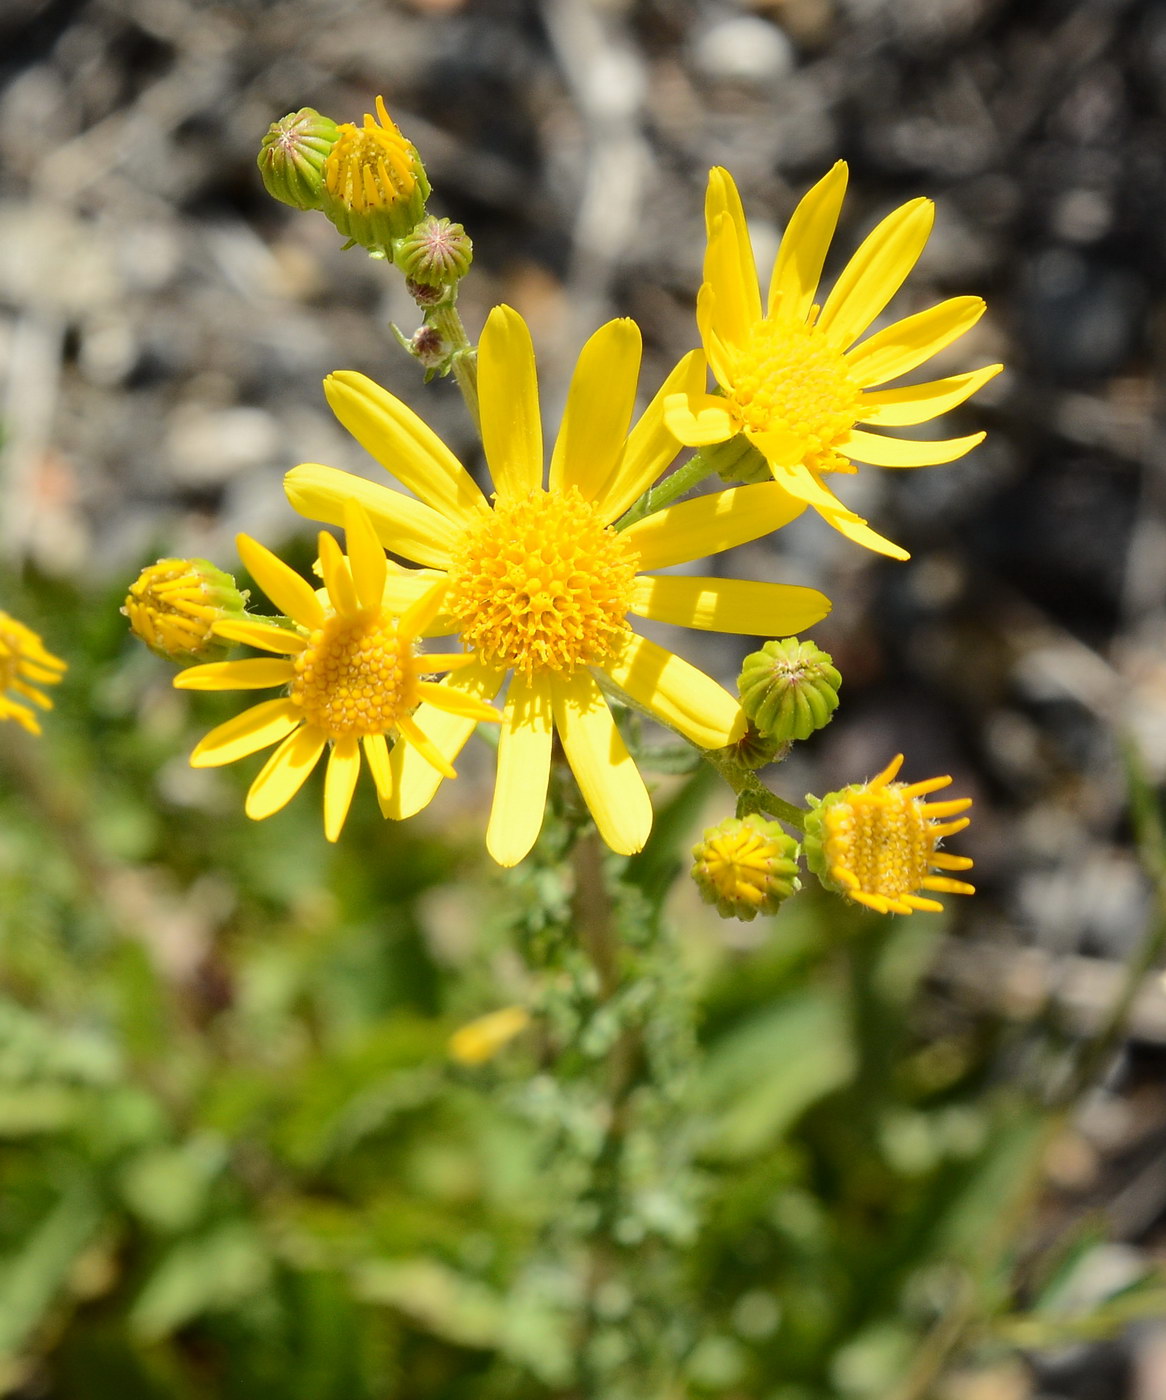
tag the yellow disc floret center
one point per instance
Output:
(879, 842)
(789, 377)
(542, 584)
(355, 676)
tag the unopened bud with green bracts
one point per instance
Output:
(746, 866)
(436, 254)
(293, 155)
(737, 461)
(789, 689)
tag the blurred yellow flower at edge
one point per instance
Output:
(24, 666)
(793, 378)
(540, 583)
(352, 673)
(480, 1040)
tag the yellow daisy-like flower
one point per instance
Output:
(878, 842)
(351, 673)
(541, 585)
(795, 378)
(25, 665)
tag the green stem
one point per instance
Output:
(655, 498)
(463, 356)
(752, 794)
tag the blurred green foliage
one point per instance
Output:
(235, 1160)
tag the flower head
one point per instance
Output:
(746, 866)
(349, 669)
(375, 186)
(878, 843)
(25, 665)
(795, 379)
(789, 689)
(173, 606)
(436, 254)
(542, 585)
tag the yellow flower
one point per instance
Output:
(795, 379)
(351, 671)
(877, 843)
(480, 1040)
(375, 186)
(541, 585)
(24, 665)
(745, 866)
(173, 606)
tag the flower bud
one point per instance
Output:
(877, 843)
(480, 1040)
(174, 604)
(25, 665)
(292, 157)
(375, 186)
(437, 253)
(746, 866)
(788, 689)
(737, 461)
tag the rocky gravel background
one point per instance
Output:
(164, 327)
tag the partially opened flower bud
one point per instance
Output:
(375, 186)
(174, 604)
(25, 666)
(746, 866)
(292, 157)
(788, 689)
(877, 843)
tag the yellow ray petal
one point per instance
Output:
(392, 433)
(264, 635)
(337, 579)
(919, 403)
(881, 451)
(856, 529)
(456, 702)
(419, 740)
(943, 885)
(30, 694)
(402, 590)
(291, 594)
(720, 359)
(683, 697)
(340, 783)
(876, 271)
(524, 767)
(508, 395)
(414, 780)
(797, 268)
(405, 526)
(376, 750)
(729, 605)
(366, 557)
(736, 276)
(284, 773)
(651, 446)
(699, 419)
(606, 773)
(729, 307)
(709, 524)
(803, 484)
(252, 674)
(903, 346)
(424, 609)
(599, 407)
(244, 734)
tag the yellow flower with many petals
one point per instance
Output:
(351, 671)
(541, 584)
(24, 666)
(795, 378)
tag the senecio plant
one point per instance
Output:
(536, 582)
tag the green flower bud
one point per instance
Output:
(737, 461)
(746, 866)
(788, 689)
(375, 186)
(174, 604)
(437, 253)
(292, 157)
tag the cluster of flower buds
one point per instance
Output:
(370, 182)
